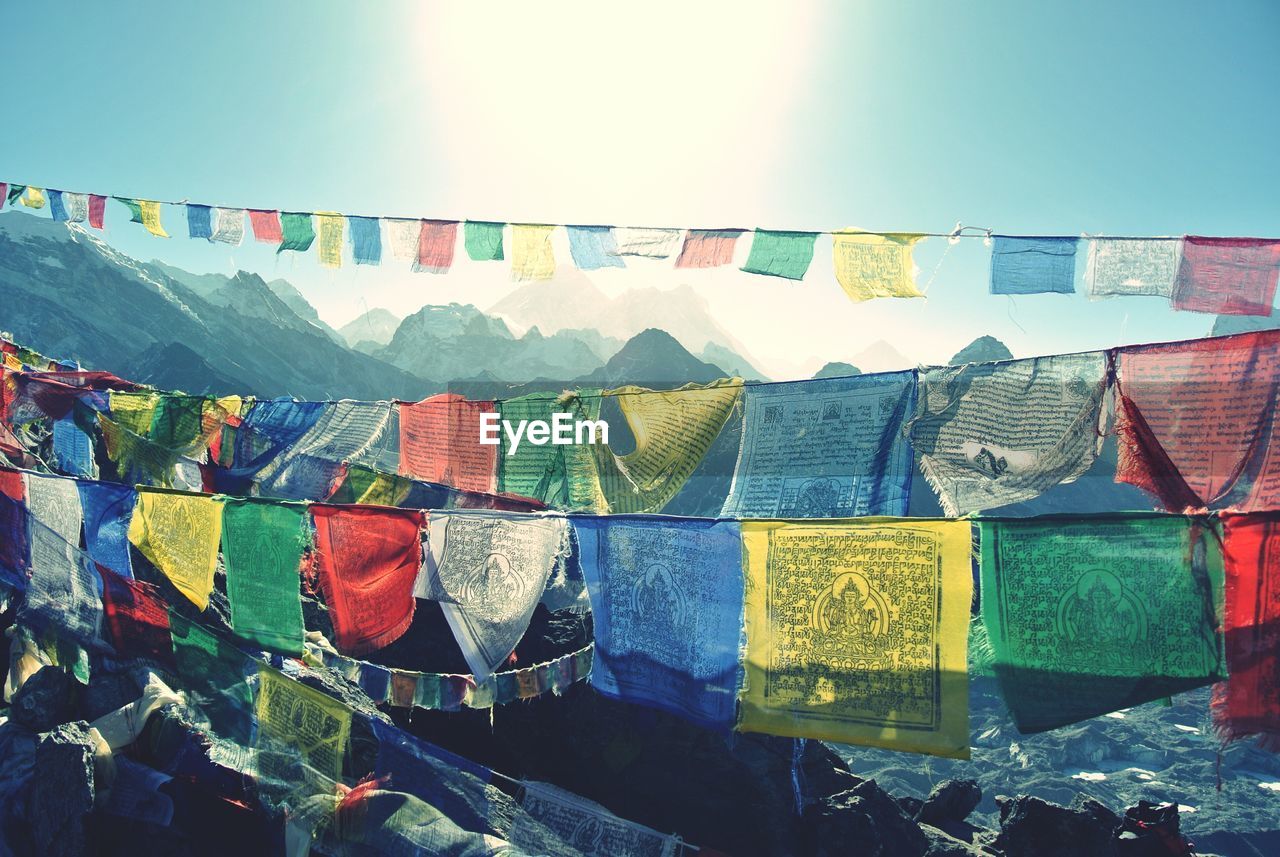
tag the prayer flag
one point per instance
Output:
(136, 618)
(875, 266)
(297, 231)
(4, 193)
(266, 226)
(827, 448)
(199, 220)
(72, 448)
(330, 226)
(146, 212)
(531, 255)
(56, 209)
(483, 240)
(54, 504)
(64, 587)
(560, 475)
(97, 209)
(593, 247)
(262, 545)
(344, 432)
(314, 724)
(708, 248)
(108, 508)
(179, 534)
(368, 559)
(77, 205)
(780, 254)
(666, 601)
(436, 240)
(13, 529)
(228, 226)
(214, 671)
(1228, 276)
(991, 434)
(366, 240)
(643, 241)
(1248, 703)
(857, 632)
(1132, 266)
(1029, 266)
(34, 198)
(1091, 616)
(134, 410)
(402, 237)
(15, 192)
(1196, 421)
(440, 442)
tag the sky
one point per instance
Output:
(1136, 118)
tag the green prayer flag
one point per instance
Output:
(178, 421)
(135, 208)
(262, 545)
(563, 476)
(781, 254)
(297, 229)
(15, 193)
(483, 240)
(214, 672)
(1090, 616)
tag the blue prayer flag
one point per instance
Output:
(666, 599)
(72, 448)
(199, 221)
(830, 448)
(431, 774)
(108, 508)
(56, 206)
(366, 240)
(593, 247)
(1029, 266)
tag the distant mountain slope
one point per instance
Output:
(301, 307)
(71, 295)
(984, 349)
(732, 362)
(880, 356)
(377, 325)
(653, 358)
(836, 369)
(174, 366)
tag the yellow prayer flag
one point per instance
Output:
(531, 254)
(673, 430)
(12, 362)
(875, 266)
(151, 217)
(330, 225)
(179, 534)
(292, 715)
(134, 411)
(33, 198)
(857, 632)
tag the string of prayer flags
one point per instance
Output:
(366, 240)
(1086, 617)
(875, 266)
(532, 257)
(483, 241)
(593, 247)
(857, 632)
(97, 210)
(179, 534)
(262, 547)
(708, 248)
(296, 230)
(1227, 276)
(266, 226)
(108, 509)
(228, 226)
(330, 226)
(1029, 266)
(644, 241)
(438, 442)
(1196, 421)
(1132, 266)
(402, 238)
(826, 448)
(436, 240)
(666, 602)
(488, 572)
(673, 429)
(199, 221)
(990, 434)
(368, 558)
(1249, 702)
(781, 254)
(33, 198)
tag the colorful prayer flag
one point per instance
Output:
(440, 442)
(1132, 266)
(56, 209)
(97, 210)
(179, 534)
(483, 240)
(875, 266)
(368, 559)
(1090, 616)
(77, 206)
(366, 240)
(266, 226)
(199, 221)
(313, 724)
(228, 226)
(34, 197)
(146, 212)
(857, 632)
(560, 475)
(593, 247)
(780, 254)
(1228, 276)
(402, 238)
(330, 225)
(135, 617)
(644, 241)
(297, 231)
(531, 255)
(1029, 266)
(262, 545)
(14, 538)
(108, 509)
(708, 248)
(436, 240)
(666, 601)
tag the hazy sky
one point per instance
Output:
(1102, 117)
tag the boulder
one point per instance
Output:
(1031, 827)
(45, 700)
(943, 844)
(864, 820)
(62, 791)
(950, 801)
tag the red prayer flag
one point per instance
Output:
(1195, 421)
(136, 617)
(440, 442)
(266, 226)
(13, 527)
(368, 558)
(708, 248)
(436, 241)
(1248, 703)
(1231, 276)
(97, 209)
(4, 192)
